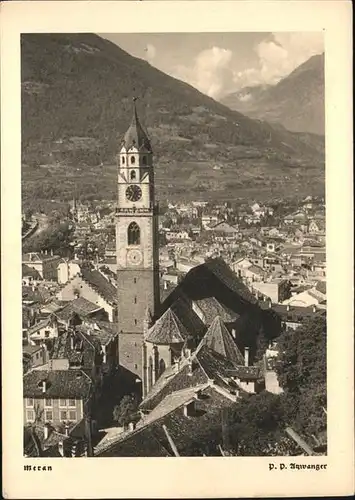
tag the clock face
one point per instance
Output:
(134, 257)
(133, 193)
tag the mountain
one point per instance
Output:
(77, 102)
(296, 102)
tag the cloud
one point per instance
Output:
(278, 56)
(209, 72)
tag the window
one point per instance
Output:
(49, 416)
(72, 403)
(72, 415)
(135, 366)
(134, 280)
(133, 175)
(30, 416)
(48, 403)
(62, 402)
(135, 300)
(144, 160)
(135, 321)
(134, 234)
(123, 160)
(133, 160)
(63, 415)
(46, 333)
(29, 403)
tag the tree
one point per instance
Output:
(127, 411)
(301, 372)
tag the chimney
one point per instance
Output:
(45, 252)
(234, 333)
(288, 307)
(71, 341)
(61, 448)
(52, 252)
(44, 386)
(131, 426)
(189, 373)
(314, 308)
(270, 304)
(66, 429)
(165, 285)
(246, 356)
(46, 431)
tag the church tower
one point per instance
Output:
(137, 246)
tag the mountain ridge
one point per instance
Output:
(296, 101)
(76, 104)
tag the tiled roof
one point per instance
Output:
(321, 287)
(246, 372)
(60, 384)
(183, 310)
(149, 439)
(214, 278)
(205, 364)
(30, 271)
(103, 331)
(39, 325)
(102, 286)
(79, 306)
(256, 270)
(83, 353)
(167, 330)
(220, 340)
(212, 308)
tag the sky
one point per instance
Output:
(220, 63)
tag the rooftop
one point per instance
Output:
(73, 384)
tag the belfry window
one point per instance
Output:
(133, 175)
(123, 160)
(133, 160)
(134, 234)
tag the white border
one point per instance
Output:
(185, 477)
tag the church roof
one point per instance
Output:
(167, 330)
(219, 340)
(135, 135)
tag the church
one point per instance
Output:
(155, 336)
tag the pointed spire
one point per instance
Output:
(135, 135)
(220, 340)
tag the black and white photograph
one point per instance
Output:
(176, 249)
(173, 244)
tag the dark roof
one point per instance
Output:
(182, 308)
(220, 340)
(149, 439)
(79, 306)
(321, 287)
(214, 278)
(83, 353)
(295, 313)
(135, 135)
(211, 308)
(30, 271)
(167, 330)
(205, 364)
(246, 372)
(60, 384)
(102, 286)
(102, 331)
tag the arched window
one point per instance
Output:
(133, 175)
(133, 160)
(134, 234)
(123, 160)
(144, 160)
(150, 372)
(161, 367)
